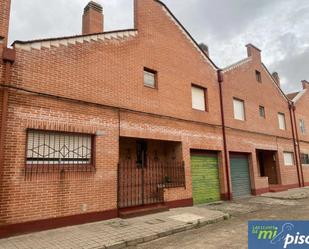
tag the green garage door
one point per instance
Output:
(240, 175)
(205, 178)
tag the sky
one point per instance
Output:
(280, 28)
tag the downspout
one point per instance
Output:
(220, 80)
(294, 144)
(8, 56)
(298, 146)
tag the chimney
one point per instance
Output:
(93, 19)
(204, 47)
(5, 6)
(305, 84)
(253, 51)
(276, 78)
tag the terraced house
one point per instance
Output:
(108, 124)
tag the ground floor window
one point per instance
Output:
(288, 158)
(50, 148)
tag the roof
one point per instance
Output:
(236, 64)
(296, 95)
(291, 96)
(56, 42)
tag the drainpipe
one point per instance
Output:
(8, 56)
(294, 144)
(298, 146)
(220, 80)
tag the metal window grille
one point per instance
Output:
(46, 148)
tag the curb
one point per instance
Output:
(155, 236)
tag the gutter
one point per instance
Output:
(8, 57)
(226, 157)
(298, 146)
(294, 144)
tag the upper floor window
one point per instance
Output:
(150, 78)
(199, 98)
(258, 76)
(239, 109)
(281, 119)
(302, 126)
(50, 148)
(305, 158)
(262, 111)
(288, 158)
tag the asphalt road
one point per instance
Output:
(230, 234)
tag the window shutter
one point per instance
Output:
(288, 158)
(239, 109)
(198, 98)
(281, 119)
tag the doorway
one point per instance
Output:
(267, 161)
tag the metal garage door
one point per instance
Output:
(205, 178)
(240, 175)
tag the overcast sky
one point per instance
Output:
(279, 27)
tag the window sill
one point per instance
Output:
(197, 110)
(58, 168)
(151, 87)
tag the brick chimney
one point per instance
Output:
(93, 19)
(205, 48)
(305, 84)
(5, 6)
(253, 51)
(276, 78)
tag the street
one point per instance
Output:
(231, 233)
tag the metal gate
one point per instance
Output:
(143, 183)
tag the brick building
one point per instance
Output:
(95, 125)
(301, 120)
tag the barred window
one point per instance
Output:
(46, 147)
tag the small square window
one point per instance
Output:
(199, 98)
(258, 76)
(262, 111)
(239, 109)
(281, 119)
(150, 78)
(305, 158)
(302, 126)
(288, 158)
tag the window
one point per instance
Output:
(45, 147)
(239, 109)
(262, 111)
(150, 78)
(258, 76)
(199, 98)
(281, 119)
(288, 158)
(305, 158)
(302, 126)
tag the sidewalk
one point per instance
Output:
(117, 233)
(291, 194)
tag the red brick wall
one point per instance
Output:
(111, 73)
(302, 112)
(256, 132)
(4, 18)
